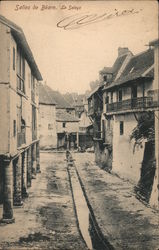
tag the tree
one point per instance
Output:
(144, 129)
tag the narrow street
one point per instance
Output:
(47, 219)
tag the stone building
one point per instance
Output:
(19, 148)
(47, 118)
(96, 109)
(127, 98)
(58, 126)
(128, 92)
(67, 130)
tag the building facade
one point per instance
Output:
(47, 118)
(129, 93)
(67, 130)
(19, 150)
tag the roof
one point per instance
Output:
(48, 96)
(63, 116)
(45, 95)
(94, 91)
(136, 67)
(154, 42)
(20, 38)
(116, 66)
(113, 70)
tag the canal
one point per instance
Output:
(87, 224)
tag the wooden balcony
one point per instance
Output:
(21, 139)
(133, 104)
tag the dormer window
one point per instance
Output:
(105, 78)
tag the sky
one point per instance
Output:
(71, 52)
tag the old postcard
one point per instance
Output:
(79, 125)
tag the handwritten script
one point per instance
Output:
(79, 20)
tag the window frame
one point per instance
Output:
(121, 127)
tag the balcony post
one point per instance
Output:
(8, 192)
(17, 199)
(24, 175)
(29, 170)
(34, 161)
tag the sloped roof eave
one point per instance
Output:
(126, 81)
(20, 38)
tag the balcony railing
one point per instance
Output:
(20, 139)
(135, 103)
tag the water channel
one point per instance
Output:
(87, 226)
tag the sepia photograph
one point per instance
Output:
(79, 125)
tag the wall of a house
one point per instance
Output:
(70, 127)
(9, 99)
(126, 163)
(47, 126)
(4, 88)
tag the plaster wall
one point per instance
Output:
(47, 126)
(126, 163)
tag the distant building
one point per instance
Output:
(19, 148)
(47, 118)
(67, 130)
(58, 126)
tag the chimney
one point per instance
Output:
(123, 51)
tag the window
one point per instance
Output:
(20, 70)
(120, 95)
(64, 124)
(50, 126)
(111, 96)
(134, 91)
(107, 99)
(32, 88)
(121, 127)
(13, 58)
(14, 128)
(105, 78)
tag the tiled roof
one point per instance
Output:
(94, 91)
(116, 66)
(45, 95)
(50, 96)
(113, 70)
(20, 38)
(63, 116)
(137, 65)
